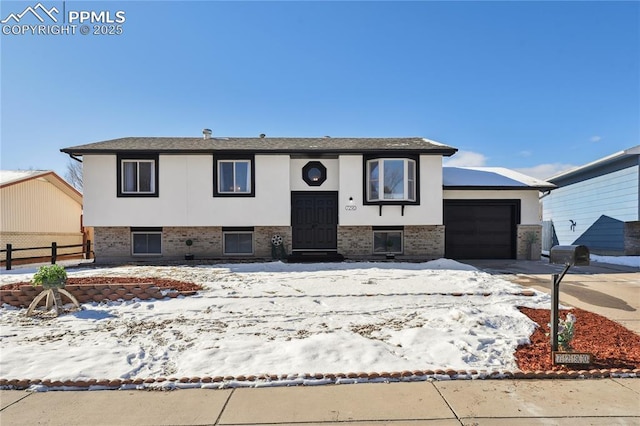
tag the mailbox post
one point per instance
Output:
(577, 255)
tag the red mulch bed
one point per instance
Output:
(611, 344)
(163, 283)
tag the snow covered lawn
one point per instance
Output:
(277, 318)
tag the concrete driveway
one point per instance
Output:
(612, 291)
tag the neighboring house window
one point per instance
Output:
(237, 240)
(234, 177)
(146, 241)
(387, 241)
(138, 176)
(391, 180)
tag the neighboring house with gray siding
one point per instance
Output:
(597, 205)
(361, 198)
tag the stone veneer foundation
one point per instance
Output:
(529, 239)
(422, 242)
(425, 241)
(113, 244)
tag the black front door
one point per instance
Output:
(314, 219)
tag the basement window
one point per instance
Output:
(387, 241)
(237, 241)
(146, 241)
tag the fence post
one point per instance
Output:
(8, 261)
(87, 253)
(54, 252)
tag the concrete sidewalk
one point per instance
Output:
(457, 402)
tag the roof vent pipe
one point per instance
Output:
(206, 133)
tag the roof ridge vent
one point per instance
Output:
(206, 133)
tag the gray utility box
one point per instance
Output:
(570, 255)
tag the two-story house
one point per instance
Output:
(353, 197)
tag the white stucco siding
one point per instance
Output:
(614, 195)
(333, 175)
(529, 201)
(428, 212)
(105, 208)
(99, 189)
(185, 189)
(271, 205)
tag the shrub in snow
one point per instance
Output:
(50, 276)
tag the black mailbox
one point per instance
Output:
(576, 255)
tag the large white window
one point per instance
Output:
(391, 179)
(146, 242)
(138, 177)
(237, 242)
(234, 177)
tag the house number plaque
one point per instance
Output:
(350, 207)
(572, 358)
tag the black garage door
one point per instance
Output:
(481, 229)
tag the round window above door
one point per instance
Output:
(314, 173)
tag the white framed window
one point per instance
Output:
(138, 177)
(237, 242)
(391, 179)
(146, 243)
(234, 177)
(387, 241)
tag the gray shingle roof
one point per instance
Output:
(414, 145)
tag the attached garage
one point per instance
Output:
(481, 229)
(491, 213)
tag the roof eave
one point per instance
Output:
(41, 173)
(57, 181)
(439, 151)
(617, 156)
(499, 188)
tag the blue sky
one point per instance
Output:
(533, 86)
